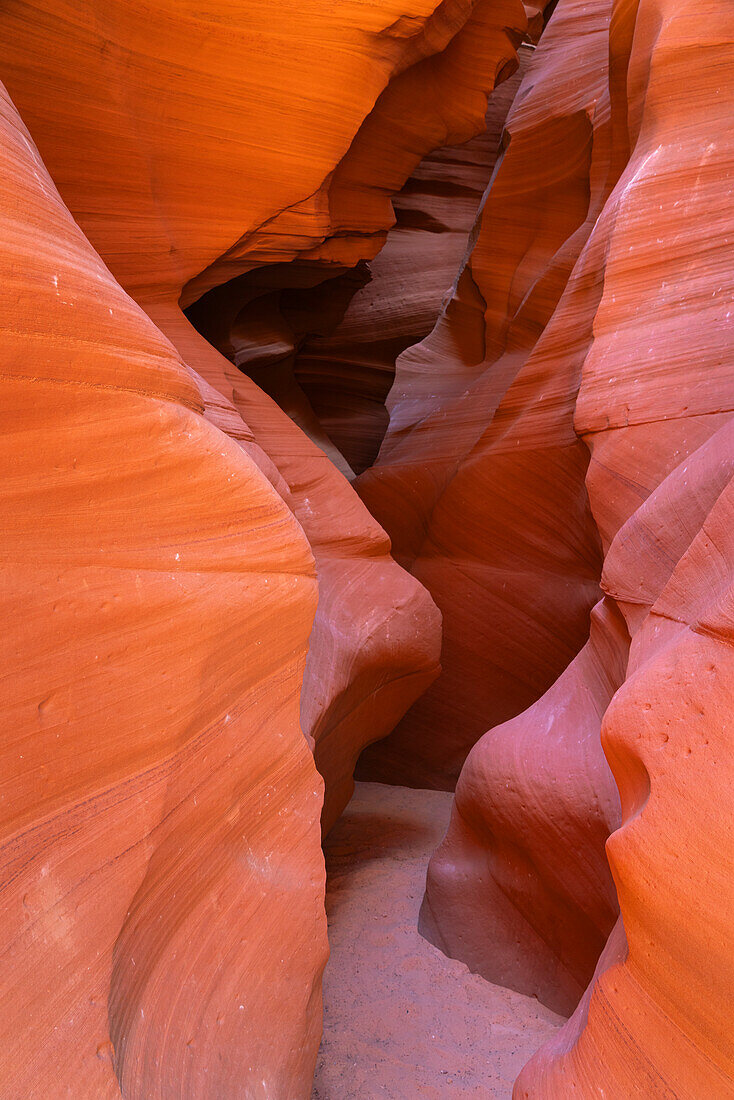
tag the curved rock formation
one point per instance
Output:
(659, 1013)
(346, 365)
(520, 889)
(654, 409)
(376, 638)
(296, 332)
(110, 123)
(156, 788)
(407, 76)
(437, 97)
(480, 479)
(163, 107)
(193, 584)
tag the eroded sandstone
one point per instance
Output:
(158, 600)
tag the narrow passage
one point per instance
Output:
(400, 1019)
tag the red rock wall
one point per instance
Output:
(520, 889)
(480, 478)
(165, 110)
(304, 326)
(182, 183)
(658, 1018)
(346, 364)
(171, 528)
(159, 791)
(376, 637)
(518, 875)
(156, 788)
(533, 811)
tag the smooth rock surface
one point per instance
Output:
(192, 584)
(650, 301)
(150, 115)
(376, 637)
(480, 478)
(658, 1019)
(159, 840)
(121, 138)
(521, 889)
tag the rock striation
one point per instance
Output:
(659, 1012)
(125, 96)
(375, 642)
(230, 555)
(131, 818)
(480, 479)
(347, 368)
(536, 800)
(156, 788)
(118, 135)
(518, 888)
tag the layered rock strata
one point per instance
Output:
(347, 368)
(157, 791)
(480, 479)
(520, 874)
(118, 134)
(536, 800)
(193, 584)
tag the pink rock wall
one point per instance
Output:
(480, 478)
(654, 409)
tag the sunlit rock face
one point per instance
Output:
(519, 888)
(295, 412)
(160, 807)
(194, 147)
(480, 479)
(229, 138)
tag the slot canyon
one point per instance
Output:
(368, 560)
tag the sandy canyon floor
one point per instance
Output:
(400, 1019)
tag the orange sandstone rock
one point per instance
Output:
(169, 521)
(376, 637)
(183, 173)
(650, 301)
(160, 808)
(346, 364)
(220, 140)
(521, 888)
(657, 1020)
(480, 478)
